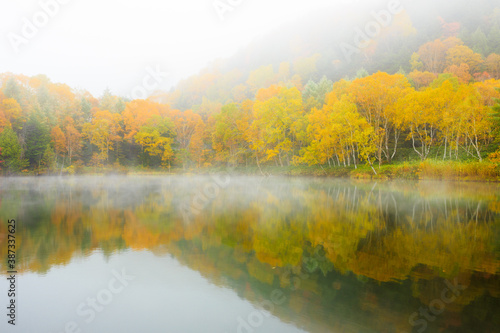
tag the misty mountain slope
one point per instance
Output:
(323, 44)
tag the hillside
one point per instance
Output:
(295, 97)
(323, 45)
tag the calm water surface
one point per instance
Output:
(251, 254)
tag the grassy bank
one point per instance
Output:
(431, 169)
(428, 170)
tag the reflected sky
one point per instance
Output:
(163, 296)
(215, 254)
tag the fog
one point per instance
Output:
(206, 198)
(92, 45)
(97, 44)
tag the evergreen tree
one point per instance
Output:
(480, 43)
(361, 73)
(49, 158)
(494, 39)
(495, 116)
(37, 137)
(85, 108)
(11, 151)
(12, 90)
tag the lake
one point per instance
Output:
(250, 254)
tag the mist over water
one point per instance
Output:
(341, 255)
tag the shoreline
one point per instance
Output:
(475, 171)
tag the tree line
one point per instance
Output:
(445, 101)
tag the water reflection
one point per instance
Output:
(345, 256)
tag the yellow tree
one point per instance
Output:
(462, 72)
(279, 126)
(13, 113)
(474, 116)
(59, 140)
(103, 132)
(376, 96)
(338, 133)
(433, 56)
(138, 113)
(356, 135)
(156, 139)
(488, 90)
(422, 79)
(319, 131)
(423, 114)
(228, 137)
(461, 54)
(492, 65)
(189, 129)
(323, 133)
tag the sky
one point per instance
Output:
(120, 44)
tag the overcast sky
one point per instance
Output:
(94, 44)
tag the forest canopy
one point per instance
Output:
(436, 99)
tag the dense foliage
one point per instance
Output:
(443, 106)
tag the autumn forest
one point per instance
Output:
(441, 105)
(280, 166)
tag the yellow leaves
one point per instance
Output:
(59, 140)
(62, 91)
(443, 114)
(495, 158)
(488, 90)
(338, 130)
(267, 93)
(138, 112)
(156, 138)
(230, 132)
(432, 55)
(278, 128)
(422, 79)
(104, 131)
(376, 95)
(13, 113)
(461, 54)
(462, 72)
(492, 65)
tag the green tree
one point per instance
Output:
(12, 90)
(494, 39)
(37, 137)
(314, 93)
(480, 44)
(495, 117)
(49, 158)
(11, 151)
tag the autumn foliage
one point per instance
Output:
(443, 105)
